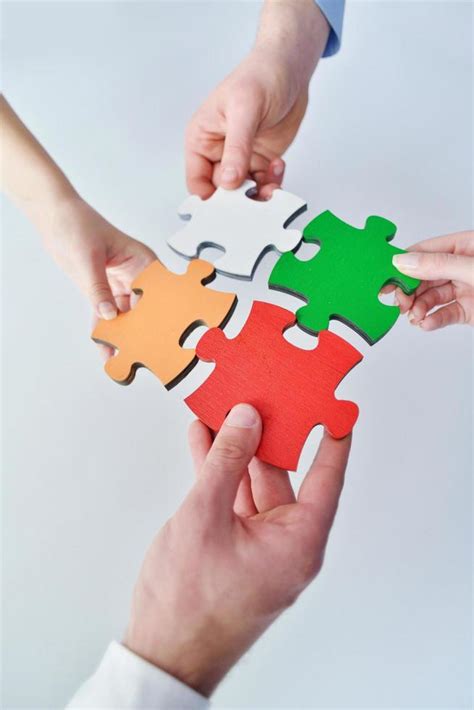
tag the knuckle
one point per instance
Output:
(236, 147)
(98, 289)
(461, 314)
(236, 152)
(196, 137)
(228, 452)
(206, 146)
(436, 296)
(424, 301)
(191, 134)
(443, 317)
(434, 262)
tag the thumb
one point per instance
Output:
(98, 290)
(235, 164)
(230, 454)
(433, 267)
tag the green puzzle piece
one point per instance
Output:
(344, 278)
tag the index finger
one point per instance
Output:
(199, 175)
(446, 243)
(200, 441)
(324, 481)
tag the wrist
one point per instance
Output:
(200, 652)
(199, 665)
(295, 32)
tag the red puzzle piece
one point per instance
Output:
(293, 389)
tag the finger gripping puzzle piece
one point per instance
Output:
(343, 280)
(150, 334)
(244, 228)
(293, 389)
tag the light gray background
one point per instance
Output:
(92, 470)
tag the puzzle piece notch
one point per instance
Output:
(344, 279)
(243, 228)
(152, 333)
(293, 389)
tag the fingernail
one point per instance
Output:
(396, 301)
(278, 169)
(406, 261)
(229, 174)
(242, 416)
(411, 317)
(107, 310)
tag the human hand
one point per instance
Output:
(446, 266)
(246, 124)
(237, 553)
(102, 260)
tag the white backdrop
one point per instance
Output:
(92, 470)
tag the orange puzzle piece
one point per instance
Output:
(150, 334)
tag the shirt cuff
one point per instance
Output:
(124, 681)
(333, 11)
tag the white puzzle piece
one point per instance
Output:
(243, 227)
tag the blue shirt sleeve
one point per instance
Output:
(333, 10)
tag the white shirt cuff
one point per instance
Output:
(124, 680)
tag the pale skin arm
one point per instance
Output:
(236, 554)
(247, 123)
(446, 295)
(102, 260)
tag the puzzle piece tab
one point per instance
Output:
(292, 388)
(243, 227)
(344, 278)
(151, 333)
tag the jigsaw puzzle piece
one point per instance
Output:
(188, 242)
(344, 279)
(293, 389)
(377, 231)
(189, 206)
(370, 319)
(151, 334)
(329, 228)
(237, 265)
(122, 366)
(288, 240)
(241, 227)
(338, 358)
(182, 242)
(285, 203)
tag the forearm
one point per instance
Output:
(29, 176)
(296, 30)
